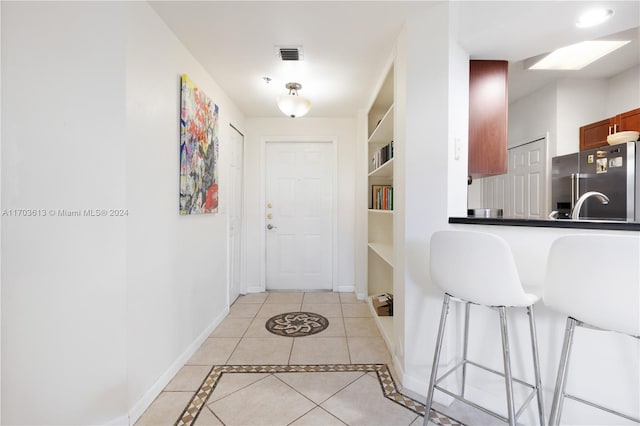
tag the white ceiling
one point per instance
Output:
(346, 44)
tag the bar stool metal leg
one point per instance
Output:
(507, 365)
(467, 309)
(436, 358)
(561, 382)
(536, 362)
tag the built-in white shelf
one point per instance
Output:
(386, 170)
(384, 251)
(383, 133)
(385, 326)
(380, 252)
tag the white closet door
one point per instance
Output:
(527, 180)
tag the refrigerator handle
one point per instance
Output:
(575, 189)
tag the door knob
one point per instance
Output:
(270, 227)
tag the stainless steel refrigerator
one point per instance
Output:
(611, 170)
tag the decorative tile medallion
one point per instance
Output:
(296, 324)
(389, 389)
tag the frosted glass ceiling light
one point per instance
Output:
(577, 56)
(594, 17)
(292, 104)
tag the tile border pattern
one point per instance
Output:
(389, 389)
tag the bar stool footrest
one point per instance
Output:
(601, 407)
(483, 409)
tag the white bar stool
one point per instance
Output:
(478, 268)
(587, 281)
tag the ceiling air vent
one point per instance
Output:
(289, 53)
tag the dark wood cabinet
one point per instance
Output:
(488, 103)
(594, 135)
(629, 120)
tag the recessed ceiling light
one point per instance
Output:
(577, 56)
(594, 17)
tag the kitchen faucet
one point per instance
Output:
(575, 213)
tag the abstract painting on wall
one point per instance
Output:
(198, 151)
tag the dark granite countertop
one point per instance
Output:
(612, 225)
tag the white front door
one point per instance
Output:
(235, 213)
(298, 212)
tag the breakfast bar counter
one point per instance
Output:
(605, 367)
(611, 225)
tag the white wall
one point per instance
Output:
(532, 116)
(434, 183)
(257, 129)
(361, 204)
(624, 92)
(0, 219)
(579, 102)
(98, 313)
(176, 265)
(63, 278)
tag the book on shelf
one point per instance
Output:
(381, 197)
(381, 156)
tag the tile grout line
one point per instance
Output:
(245, 331)
(332, 415)
(315, 405)
(321, 408)
(214, 414)
(343, 388)
(344, 325)
(294, 338)
(291, 350)
(332, 395)
(348, 345)
(235, 391)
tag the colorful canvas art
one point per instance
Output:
(198, 151)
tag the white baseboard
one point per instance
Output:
(143, 403)
(420, 385)
(345, 289)
(340, 289)
(416, 385)
(398, 370)
(120, 421)
(361, 296)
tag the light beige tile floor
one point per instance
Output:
(287, 398)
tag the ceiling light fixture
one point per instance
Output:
(576, 56)
(292, 104)
(594, 17)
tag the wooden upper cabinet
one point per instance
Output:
(629, 120)
(594, 135)
(488, 105)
